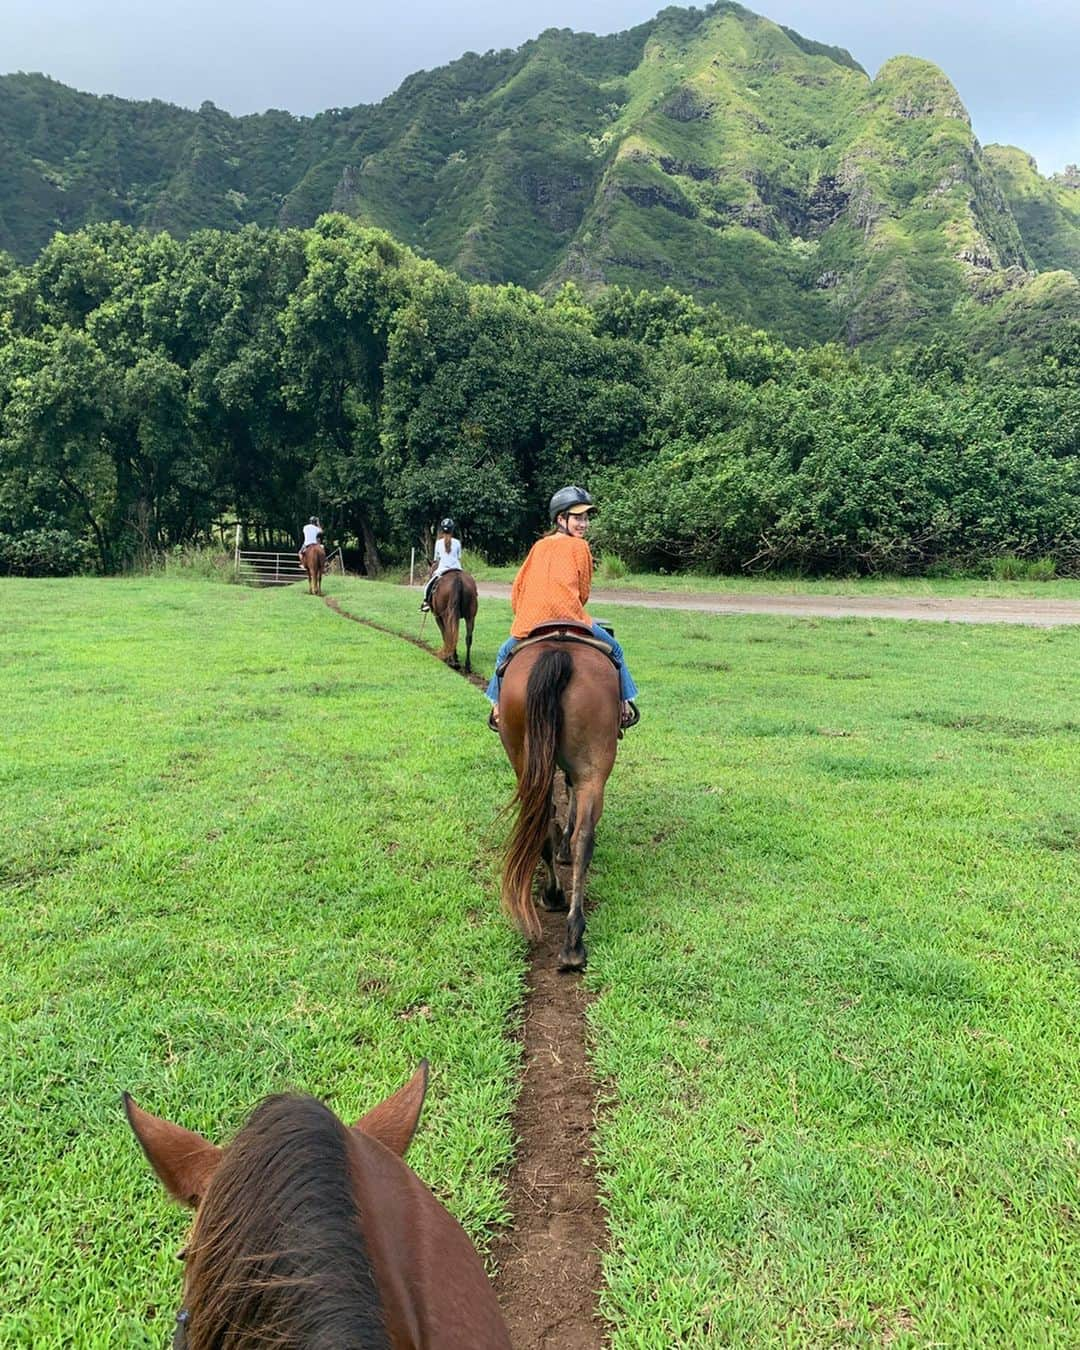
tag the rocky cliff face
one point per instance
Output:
(710, 150)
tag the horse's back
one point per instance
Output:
(460, 585)
(590, 705)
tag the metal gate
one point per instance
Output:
(265, 568)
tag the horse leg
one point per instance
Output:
(468, 642)
(554, 897)
(589, 800)
(563, 854)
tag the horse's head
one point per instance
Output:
(186, 1162)
(282, 1245)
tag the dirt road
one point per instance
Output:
(938, 609)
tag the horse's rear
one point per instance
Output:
(308, 1233)
(455, 598)
(315, 567)
(558, 709)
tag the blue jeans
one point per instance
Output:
(627, 687)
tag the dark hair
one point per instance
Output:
(277, 1249)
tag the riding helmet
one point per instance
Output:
(446, 526)
(574, 500)
(314, 521)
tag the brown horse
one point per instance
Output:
(312, 1234)
(314, 561)
(558, 708)
(453, 599)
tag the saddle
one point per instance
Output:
(560, 630)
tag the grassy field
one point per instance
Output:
(834, 950)
(236, 856)
(693, 583)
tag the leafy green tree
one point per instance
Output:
(336, 327)
(58, 404)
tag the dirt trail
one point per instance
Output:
(549, 1261)
(937, 608)
(333, 603)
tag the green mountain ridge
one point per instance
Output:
(708, 150)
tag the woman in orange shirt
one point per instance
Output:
(554, 583)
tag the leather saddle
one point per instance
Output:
(561, 630)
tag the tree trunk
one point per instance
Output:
(372, 562)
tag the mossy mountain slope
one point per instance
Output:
(710, 150)
(1047, 210)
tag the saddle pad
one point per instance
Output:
(560, 633)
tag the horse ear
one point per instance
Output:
(183, 1160)
(393, 1121)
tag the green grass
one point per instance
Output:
(236, 857)
(692, 583)
(834, 950)
(835, 953)
(835, 960)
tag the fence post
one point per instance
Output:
(237, 562)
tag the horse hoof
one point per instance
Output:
(571, 961)
(555, 901)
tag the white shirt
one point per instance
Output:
(447, 562)
(311, 534)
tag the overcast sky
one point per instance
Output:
(1015, 65)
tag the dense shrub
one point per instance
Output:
(44, 553)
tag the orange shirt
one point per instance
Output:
(553, 583)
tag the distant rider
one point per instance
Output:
(312, 535)
(447, 559)
(554, 583)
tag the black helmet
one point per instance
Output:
(566, 499)
(446, 526)
(314, 521)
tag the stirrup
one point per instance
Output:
(492, 721)
(635, 718)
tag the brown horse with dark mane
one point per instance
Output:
(558, 708)
(314, 561)
(310, 1235)
(453, 599)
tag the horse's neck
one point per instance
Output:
(432, 1283)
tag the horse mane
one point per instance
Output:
(277, 1256)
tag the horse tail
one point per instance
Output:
(456, 600)
(543, 726)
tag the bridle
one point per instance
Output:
(183, 1316)
(179, 1340)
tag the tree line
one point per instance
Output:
(152, 388)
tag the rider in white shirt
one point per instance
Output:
(447, 559)
(312, 535)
